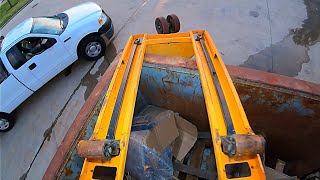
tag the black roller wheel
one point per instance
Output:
(162, 25)
(174, 23)
(6, 122)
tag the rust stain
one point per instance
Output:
(280, 114)
(69, 172)
(289, 132)
(171, 60)
(194, 111)
(146, 168)
(289, 135)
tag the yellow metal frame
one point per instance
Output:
(182, 45)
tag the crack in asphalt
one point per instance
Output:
(130, 18)
(270, 30)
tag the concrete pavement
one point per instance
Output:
(267, 35)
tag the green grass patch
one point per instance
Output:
(6, 12)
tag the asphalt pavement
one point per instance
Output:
(274, 36)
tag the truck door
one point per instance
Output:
(21, 70)
(12, 92)
(46, 57)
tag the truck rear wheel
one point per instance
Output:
(92, 47)
(6, 122)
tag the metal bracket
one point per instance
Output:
(198, 37)
(228, 145)
(138, 41)
(112, 148)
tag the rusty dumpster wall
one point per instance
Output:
(288, 119)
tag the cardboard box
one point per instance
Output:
(188, 135)
(164, 130)
(164, 133)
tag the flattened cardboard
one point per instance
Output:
(164, 133)
(188, 135)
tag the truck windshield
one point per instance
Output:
(47, 25)
(3, 72)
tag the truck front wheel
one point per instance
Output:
(6, 122)
(92, 47)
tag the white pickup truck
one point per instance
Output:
(39, 48)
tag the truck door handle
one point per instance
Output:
(32, 66)
(67, 39)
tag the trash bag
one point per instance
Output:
(147, 158)
(146, 163)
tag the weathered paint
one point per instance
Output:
(73, 164)
(177, 89)
(288, 119)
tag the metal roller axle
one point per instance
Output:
(238, 145)
(98, 149)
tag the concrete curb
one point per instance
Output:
(16, 13)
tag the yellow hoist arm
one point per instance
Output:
(230, 130)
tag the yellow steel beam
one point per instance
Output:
(169, 40)
(214, 109)
(178, 44)
(123, 128)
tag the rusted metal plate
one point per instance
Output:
(177, 89)
(288, 119)
(72, 165)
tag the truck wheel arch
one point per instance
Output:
(86, 36)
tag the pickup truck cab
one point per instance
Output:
(39, 48)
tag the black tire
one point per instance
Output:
(94, 41)
(162, 25)
(6, 122)
(174, 23)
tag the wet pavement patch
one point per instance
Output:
(23, 177)
(254, 14)
(308, 34)
(91, 80)
(284, 58)
(287, 56)
(47, 132)
(68, 70)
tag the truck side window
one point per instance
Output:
(15, 57)
(28, 48)
(3, 72)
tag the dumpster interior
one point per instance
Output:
(178, 89)
(172, 94)
(170, 137)
(177, 92)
